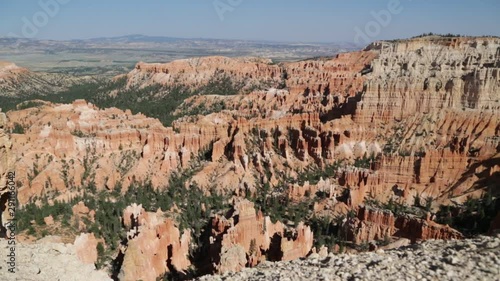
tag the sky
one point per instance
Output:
(272, 20)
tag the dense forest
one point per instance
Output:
(155, 101)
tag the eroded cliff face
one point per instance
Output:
(64, 147)
(195, 72)
(407, 104)
(371, 224)
(10, 73)
(154, 246)
(419, 76)
(441, 98)
(246, 238)
(399, 119)
(16, 81)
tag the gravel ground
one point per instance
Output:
(471, 259)
(47, 262)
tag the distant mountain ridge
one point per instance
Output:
(110, 56)
(163, 39)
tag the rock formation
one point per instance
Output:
(246, 237)
(470, 259)
(396, 120)
(330, 110)
(86, 248)
(50, 260)
(195, 72)
(78, 144)
(10, 72)
(371, 224)
(16, 81)
(153, 243)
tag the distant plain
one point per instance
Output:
(117, 55)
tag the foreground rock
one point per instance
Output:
(474, 259)
(48, 261)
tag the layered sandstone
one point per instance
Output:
(324, 80)
(82, 213)
(10, 72)
(398, 119)
(16, 81)
(317, 119)
(371, 224)
(442, 155)
(65, 147)
(328, 187)
(246, 237)
(195, 72)
(153, 243)
(468, 259)
(425, 75)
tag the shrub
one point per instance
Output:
(472, 217)
(18, 129)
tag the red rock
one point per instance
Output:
(153, 243)
(86, 248)
(246, 228)
(49, 220)
(199, 71)
(377, 225)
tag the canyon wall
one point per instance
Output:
(396, 120)
(407, 104)
(371, 225)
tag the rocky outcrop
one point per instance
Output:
(327, 79)
(471, 259)
(153, 243)
(49, 220)
(195, 72)
(6, 167)
(327, 187)
(86, 248)
(16, 81)
(47, 261)
(371, 224)
(78, 144)
(82, 213)
(495, 225)
(400, 118)
(443, 155)
(424, 75)
(437, 148)
(246, 237)
(10, 72)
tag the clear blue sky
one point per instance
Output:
(276, 20)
